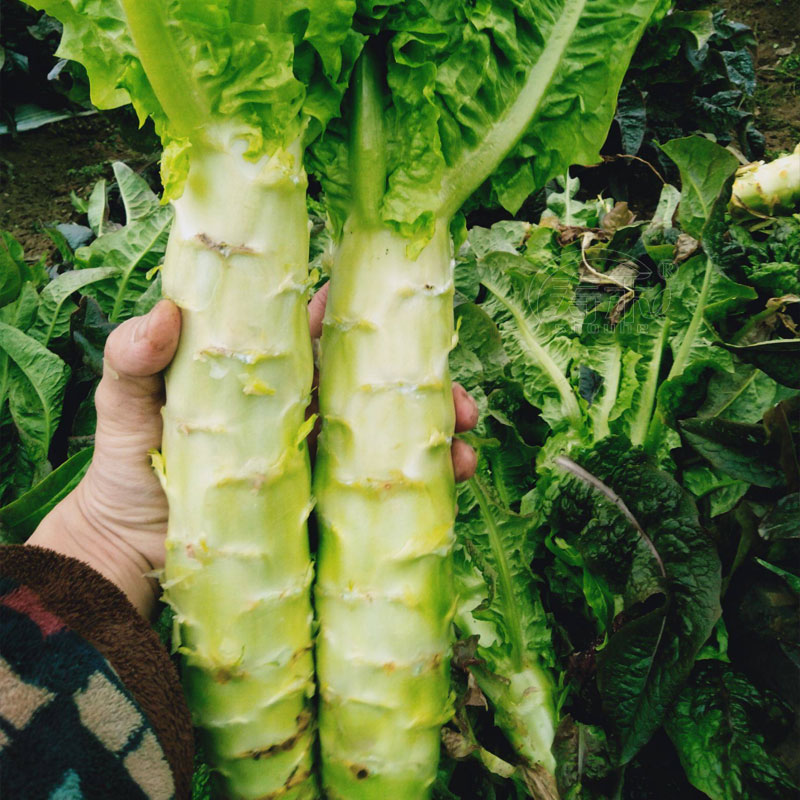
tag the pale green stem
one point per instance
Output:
(238, 569)
(368, 142)
(386, 507)
(768, 189)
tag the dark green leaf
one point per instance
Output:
(585, 761)
(780, 359)
(90, 329)
(670, 576)
(19, 519)
(720, 726)
(736, 449)
(632, 118)
(783, 521)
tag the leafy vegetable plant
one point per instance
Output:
(637, 398)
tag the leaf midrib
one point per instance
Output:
(510, 613)
(474, 166)
(568, 400)
(126, 275)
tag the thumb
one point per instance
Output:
(143, 346)
(135, 354)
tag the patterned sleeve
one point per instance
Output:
(90, 703)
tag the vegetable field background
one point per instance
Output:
(628, 552)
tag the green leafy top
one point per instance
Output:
(515, 90)
(259, 71)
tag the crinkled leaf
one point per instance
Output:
(132, 251)
(531, 299)
(721, 726)
(780, 359)
(564, 207)
(642, 334)
(673, 580)
(695, 296)
(501, 604)
(511, 92)
(740, 451)
(507, 236)
(479, 355)
(600, 375)
(631, 116)
(262, 70)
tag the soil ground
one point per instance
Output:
(776, 25)
(40, 168)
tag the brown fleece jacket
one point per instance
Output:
(99, 612)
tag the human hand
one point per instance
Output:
(116, 518)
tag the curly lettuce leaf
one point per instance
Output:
(211, 73)
(500, 604)
(510, 92)
(532, 300)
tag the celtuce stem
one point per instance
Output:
(238, 571)
(386, 507)
(768, 189)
